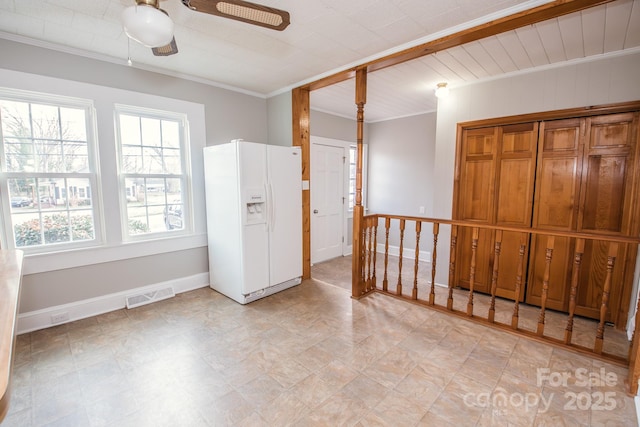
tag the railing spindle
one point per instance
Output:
(516, 307)
(414, 293)
(575, 275)
(387, 224)
(545, 284)
(399, 286)
(472, 270)
(611, 261)
(494, 275)
(375, 253)
(434, 257)
(452, 265)
(369, 254)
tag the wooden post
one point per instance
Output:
(472, 270)
(414, 293)
(452, 265)
(575, 274)
(634, 355)
(400, 250)
(300, 124)
(434, 258)
(611, 261)
(375, 251)
(494, 275)
(545, 284)
(358, 209)
(385, 281)
(516, 306)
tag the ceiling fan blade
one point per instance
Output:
(170, 49)
(244, 11)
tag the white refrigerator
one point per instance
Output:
(254, 218)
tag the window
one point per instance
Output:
(48, 170)
(352, 176)
(152, 163)
(353, 150)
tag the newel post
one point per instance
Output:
(358, 209)
(634, 355)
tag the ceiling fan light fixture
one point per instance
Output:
(147, 24)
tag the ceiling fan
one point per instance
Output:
(151, 26)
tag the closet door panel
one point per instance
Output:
(555, 208)
(560, 272)
(514, 188)
(557, 192)
(606, 207)
(475, 203)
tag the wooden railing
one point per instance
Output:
(487, 307)
(10, 278)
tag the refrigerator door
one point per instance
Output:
(284, 213)
(253, 194)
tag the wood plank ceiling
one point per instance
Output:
(408, 88)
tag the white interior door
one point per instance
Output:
(327, 198)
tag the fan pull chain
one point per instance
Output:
(129, 63)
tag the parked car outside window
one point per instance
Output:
(173, 217)
(20, 202)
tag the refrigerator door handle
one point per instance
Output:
(272, 210)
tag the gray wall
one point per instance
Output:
(228, 115)
(280, 118)
(334, 127)
(400, 176)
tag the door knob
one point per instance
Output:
(315, 211)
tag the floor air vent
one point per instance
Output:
(149, 297)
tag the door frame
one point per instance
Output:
(347, 214)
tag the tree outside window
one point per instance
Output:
(49, 171)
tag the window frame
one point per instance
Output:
(7, 234)
(354, 147)
(185, 177)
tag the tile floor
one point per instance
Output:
(308, 356)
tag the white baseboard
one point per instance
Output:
(40, 319)
(406, 253)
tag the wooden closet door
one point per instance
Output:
(514, 199)
(475, 203)
(556, 199)
(606, 206)
(497, 170)
(585, 183)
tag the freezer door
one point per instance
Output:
(285, 213)
(255, 238)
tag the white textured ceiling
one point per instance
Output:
(329, 35)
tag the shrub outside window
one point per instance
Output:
(48, 167)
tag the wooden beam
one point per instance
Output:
(301, 138)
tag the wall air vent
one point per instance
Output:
(148, 297)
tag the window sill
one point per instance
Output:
(52, 261)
